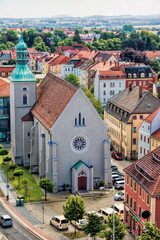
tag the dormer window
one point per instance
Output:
(129, 75)
(150, 75)
(142, 75)
(134, 75)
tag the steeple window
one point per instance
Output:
(79, 120)
(25, 99)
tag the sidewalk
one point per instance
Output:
(32, 216)
(23, 216)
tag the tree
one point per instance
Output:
(151, 232)
(95, 225)
(96, 102)
(12, 167)
(3, 46)
(72, 79)
(128, 28)
(10, 45)
(74, 208)
(47, 185)
(18, 173)
(3, 152)
(7, 159)
(76, 37)
(39, 45)
(120, 228)
(155, 64)
(24, 183)
(11, 62)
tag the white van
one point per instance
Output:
(119, 184)
(119, 208)
(107, 211)
(59, 222)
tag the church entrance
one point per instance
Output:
(82, 183)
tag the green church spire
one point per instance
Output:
(22, 73)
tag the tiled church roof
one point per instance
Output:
(146, 171)
(54, 95)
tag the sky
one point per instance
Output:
(76, 8)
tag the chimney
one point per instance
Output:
(140, 91)
(130, 87)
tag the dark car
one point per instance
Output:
(117, 156)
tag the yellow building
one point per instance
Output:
(124, 115)
(155, 140)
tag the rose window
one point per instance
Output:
(79, 143)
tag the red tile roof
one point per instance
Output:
(53, 96)
(6, 68)
(28, 117)
(4, 87)
(146, 171)
(86, 55)
(153, 54)
(151, 117)
(61, 59)
(111, 73)
(156, 134)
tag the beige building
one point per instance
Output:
(124, 115)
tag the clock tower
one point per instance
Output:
(22, 98)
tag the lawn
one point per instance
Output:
(34, 192)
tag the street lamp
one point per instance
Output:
(7, 186)
(113, 217)
(43, 213)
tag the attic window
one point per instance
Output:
(144, 173)
(156, 157)
(125, 115)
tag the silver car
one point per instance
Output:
(119, 196)
(6, 221)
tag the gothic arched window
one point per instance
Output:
(24, 99)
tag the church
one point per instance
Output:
(55, 130)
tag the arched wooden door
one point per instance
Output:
(82, 183)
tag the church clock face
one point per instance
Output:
(79, 144)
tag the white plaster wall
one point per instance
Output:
(145, 132)
(155, 125)
(64, 131)
(18, 110)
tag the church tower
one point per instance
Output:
(22, 98)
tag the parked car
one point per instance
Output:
(117, 156)
(95, 213)
(107, 211)
(6, 221)
(59, 222)
(119, 185)
(80, 223)
(119, 196)
(118, 179)
(114, 167)
(119, 208)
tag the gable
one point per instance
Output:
(81, 104)
(53, 96)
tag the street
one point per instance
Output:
(17, 232)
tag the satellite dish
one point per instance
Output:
(145, 214)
